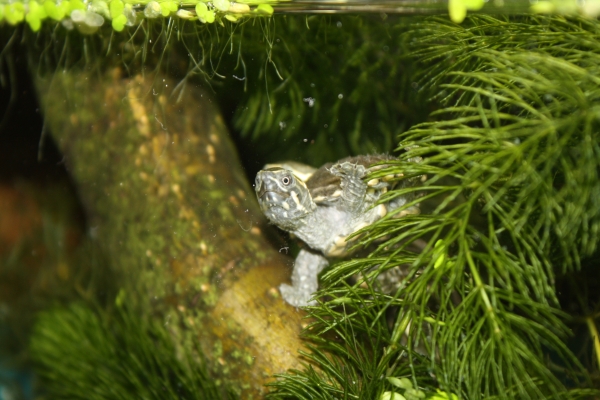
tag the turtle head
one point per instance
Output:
(283, 197)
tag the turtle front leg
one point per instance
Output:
(304, 279)
(353, 188)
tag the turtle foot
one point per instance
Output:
(353, 188)
(304, 279)
(295, 296)
(348, 170)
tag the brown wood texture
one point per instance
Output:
(171, 211)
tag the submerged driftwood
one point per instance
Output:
(170, 209)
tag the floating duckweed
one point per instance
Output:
(201, 9)
(37, 9)
(458, 8)
(204, 14)
(14, 13)
(18, 11)
(85, 14)
(130, 14)
(153, 10)
(67, 23)
(265, 9)
(119, 22)
(88, 18)
(239, 8)
(65, 8)
(100, 7)
(209, 17)
(116, 9)
(35, 15)
(78, 16)
(542, 7)
(76, 5)
(185, 14)
(55, 11)
(589, 8)
(221, 5)
(168, 7)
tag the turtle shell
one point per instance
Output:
(301, 171)
(324, 187)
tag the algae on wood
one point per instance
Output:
(170, 209)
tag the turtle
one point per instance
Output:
(323, 207)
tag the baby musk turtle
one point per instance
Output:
(323, 207)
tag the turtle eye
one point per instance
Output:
(286, 180)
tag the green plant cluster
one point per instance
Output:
(89, 15)
(125, 356)
(327, 87)
(511, 205)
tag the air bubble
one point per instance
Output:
(153, 10)
(88, 18)
(78, 16)
(310, 101)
